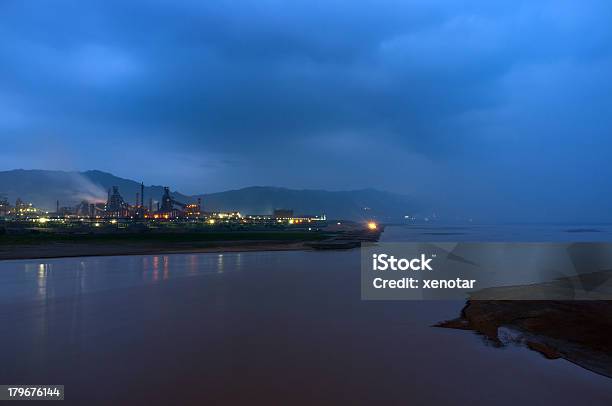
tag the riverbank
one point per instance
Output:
(579, 331)
(67, 250)
(56, 245)
(31, 246)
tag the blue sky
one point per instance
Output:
(495, 109)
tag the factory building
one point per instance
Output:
(168, 209)
(283, 214)
(171, 208)
(23, 209)
(115, 205)
(20, 210)
(5, 207)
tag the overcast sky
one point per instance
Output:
(492, 108)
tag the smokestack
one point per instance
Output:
(150, 204)
(142, 194)
(137, 199)
(57, 207)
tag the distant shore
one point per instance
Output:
(64, 250)
(30, 246)
(51, 245)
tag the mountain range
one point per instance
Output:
(44, 188)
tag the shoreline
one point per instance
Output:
(578, 331)
(74, 250)
(70, 245)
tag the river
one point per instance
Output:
(276, 327)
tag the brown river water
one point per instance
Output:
(274, 327)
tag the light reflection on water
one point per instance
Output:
(50, 278)
(265, 313)
(44, 279)
(193, 264)
(220, 263)
(166, 267)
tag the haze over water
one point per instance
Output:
(288, 326)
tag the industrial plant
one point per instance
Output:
(166, 212)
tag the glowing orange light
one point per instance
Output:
(372, 225)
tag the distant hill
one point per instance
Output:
(44, 188)
(355, 204)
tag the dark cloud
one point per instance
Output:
(471, 105)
